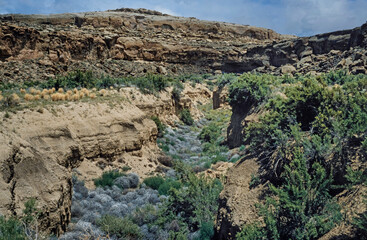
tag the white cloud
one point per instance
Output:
(306, 17)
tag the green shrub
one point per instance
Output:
(160, 126)
(360, 224)
(107, 178)
(144, 215)
(193, 204)
(167, 185)
(72, 80)
(206, 230)
(11, 229)
(302, 206)
(154, 182)
(252, 232)
(255, 180)
(186, 117)
(119, 227)
(210, 132)
(21, 228)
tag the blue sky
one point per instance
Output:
(298, 17)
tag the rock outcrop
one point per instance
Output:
(127, 41)
(120, 42)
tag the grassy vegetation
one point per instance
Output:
(107, 178)
(122, 228)
(86, 86)
(191, 207)
(160, 126)
(22, 227)
(213, 134)
(186, 117)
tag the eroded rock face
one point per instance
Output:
(127, 41)
(119, 42)
(237, 201)
(39, 150)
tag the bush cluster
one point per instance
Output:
(109, 211)
(22, 227)
(108, 178)
(160, 126)
(186, 118)
(312, 128)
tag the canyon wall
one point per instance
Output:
(126, 41)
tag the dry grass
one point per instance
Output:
(46, 97)
(92, 95)
(44, 93)
(37, 97)
(75, 97)
(1, 97)
(103, 92)
(61, 90)
(15, 98)
(22, 91)
(28, 97)
(32, 91)
(58, 97)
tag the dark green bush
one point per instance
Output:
(255, 180)
(120, 227)
(206, 230)
(211, 132)
(193, 204)
(144, 215)
(167, 185)
(252, 232)
(23, 227)
(160, 126)
(154, 182)
(186, 117)
(11, 229)
(107, 178)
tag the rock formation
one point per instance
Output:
(127, 41)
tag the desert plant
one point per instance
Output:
(24, 227)
(107, 178)
(186, 117)
(160, 126)
(120, 227)
(154, 182)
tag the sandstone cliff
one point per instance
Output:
(127, 41)
(40, 46)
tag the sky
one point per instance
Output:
(296, 17)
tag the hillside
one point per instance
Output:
(133, 124)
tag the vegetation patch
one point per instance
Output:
(186, 118)
(107, 179)
(310, 132)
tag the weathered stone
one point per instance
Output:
(287, 69)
